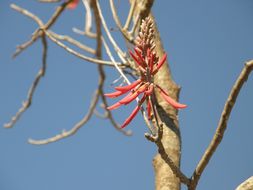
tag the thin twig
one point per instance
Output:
(37, 32)
(86, 58)
(72, 131)
(100, 67)
(33, 88)
(118, 23)
(113, 42)
(217, 138)
(100, 115)
(49, 1)
(130, 15)
(73, 42)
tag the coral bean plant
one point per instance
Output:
(148, 65)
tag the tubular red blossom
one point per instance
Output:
(133, 114)
(114, 106)
(138, 53)
(140, 63)
(114, 94)
(128, 87)
(128, 99)
(170, 100)
(160, 64)
(148, 64)
(73, 4)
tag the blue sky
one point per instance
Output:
(207, 42)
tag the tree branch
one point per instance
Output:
(33, 88)
(217, 138)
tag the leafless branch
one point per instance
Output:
(118, 23)
(73, 42)
(49, 1)
(130, 15)
(158, 141)
(217, 138)
(113, 42)
(246, 185)
(37, 32)
(72, 131)
(86, 58)
(100, 67)
(33, 88)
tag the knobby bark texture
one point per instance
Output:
(165, 179)
(246, 185)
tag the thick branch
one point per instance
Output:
(246, 185)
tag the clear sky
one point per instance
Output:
(207, 42)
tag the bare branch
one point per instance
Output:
(37, 32)
(217, 138)
(86, 58)
(49, 1)
(246, 185)
(73, 42)
(71, 132)
(130, 15)
(118, 23)
(33, 88)
(158, 141)
(113, 42)
(100, 67)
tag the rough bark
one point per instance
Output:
(165, 179)
(246, 185)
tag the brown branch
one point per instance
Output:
(217, 138)
(246, 185)
(33, 88)
(72, 131)
(73, 42)
(38, 33)
(49, 1)
(100, 67)
(175, 169)
(124, 32)
(130, 15)
(81, 56)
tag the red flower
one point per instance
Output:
(148, 65)
(73, 4)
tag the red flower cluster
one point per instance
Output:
(149, 64)
(73, 4)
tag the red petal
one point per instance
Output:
(134, 95)
(141, 66)
(170, 100)
(114, 94)
(138, 53)
(133, 114)
(128, 87)
(160, 64)
(114, 106)
(73, 4)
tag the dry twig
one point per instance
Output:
(33, 88)
(217, 138)
(72, 131)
